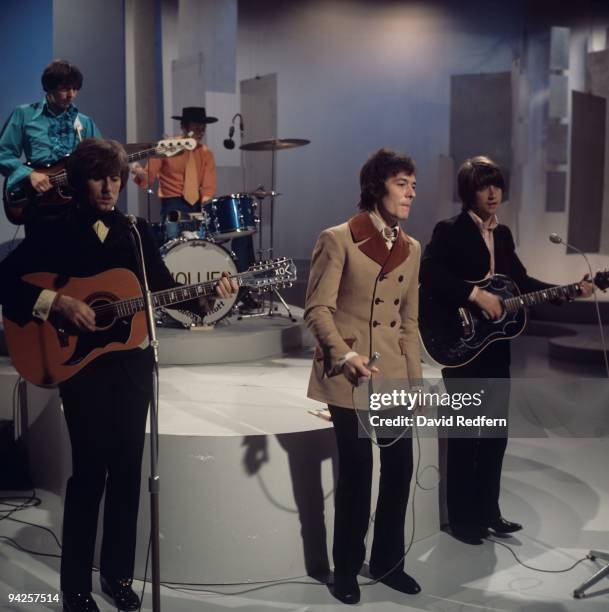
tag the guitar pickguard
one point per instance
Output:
(453, 337)
(86, 343)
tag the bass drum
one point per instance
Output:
(198, 261)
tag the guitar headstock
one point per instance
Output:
(272, 274)
(601, 280)
(172, 146)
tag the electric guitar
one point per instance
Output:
(49, 352)
(22, 195)
(453, 337)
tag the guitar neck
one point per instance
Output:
(543, 295)
(132, 157)
(175, 295)
(60, 179)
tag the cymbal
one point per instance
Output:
(274, 144)
(261, 194)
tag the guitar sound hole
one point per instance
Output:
(104, 317)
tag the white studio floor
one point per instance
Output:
(558, 488)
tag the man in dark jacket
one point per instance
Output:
(473, 246)
(106, 402)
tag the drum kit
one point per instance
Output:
(194, 248)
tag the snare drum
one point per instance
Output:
(199, 261)
(231, 216)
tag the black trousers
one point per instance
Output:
(106, 417)
(353, 493)
(474, 463)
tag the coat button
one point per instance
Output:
(400, 278)
(378, 301)
(392, 323)
(396, 302)
(375, 323)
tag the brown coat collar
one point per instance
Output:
(362, 229)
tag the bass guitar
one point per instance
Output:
(453, 337)
(22, 195)
(49, 352)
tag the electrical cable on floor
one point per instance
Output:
(535, 569)
(26, 550)
(183, 587)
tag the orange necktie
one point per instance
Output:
(190, 190)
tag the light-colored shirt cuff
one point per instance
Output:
(474, 294)
(42, 307)
(340, 364)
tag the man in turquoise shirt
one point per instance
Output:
(46, 131)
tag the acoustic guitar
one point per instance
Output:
(49, 352)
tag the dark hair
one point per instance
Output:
(61, 73)
(475, 174)
(96, 158)
(380, 166)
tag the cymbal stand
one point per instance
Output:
(275, 291)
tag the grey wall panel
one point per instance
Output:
(597, 83)
(556, 143)
(587, 171)
(556, 194)
(210, 27)
(559, 96)
(189, 84)
(559, 48)
(483, 127)
(91, 34)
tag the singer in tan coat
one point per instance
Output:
(362, 297)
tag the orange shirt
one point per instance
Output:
(170, 172)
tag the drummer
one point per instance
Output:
(185, 181)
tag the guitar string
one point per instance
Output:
(136, 303)
(528, 299)
(62, 175)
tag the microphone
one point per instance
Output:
(229, 143)
(132, 219)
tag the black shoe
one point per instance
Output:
(469, 534)
(500, 525)
(78, 602)
(346, 589)
(125, 598)
(398, 581)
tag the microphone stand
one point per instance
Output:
(154, 481)
(593, 555)
(556, 239)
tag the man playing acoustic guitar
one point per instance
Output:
(470, 247)
(106, 402)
